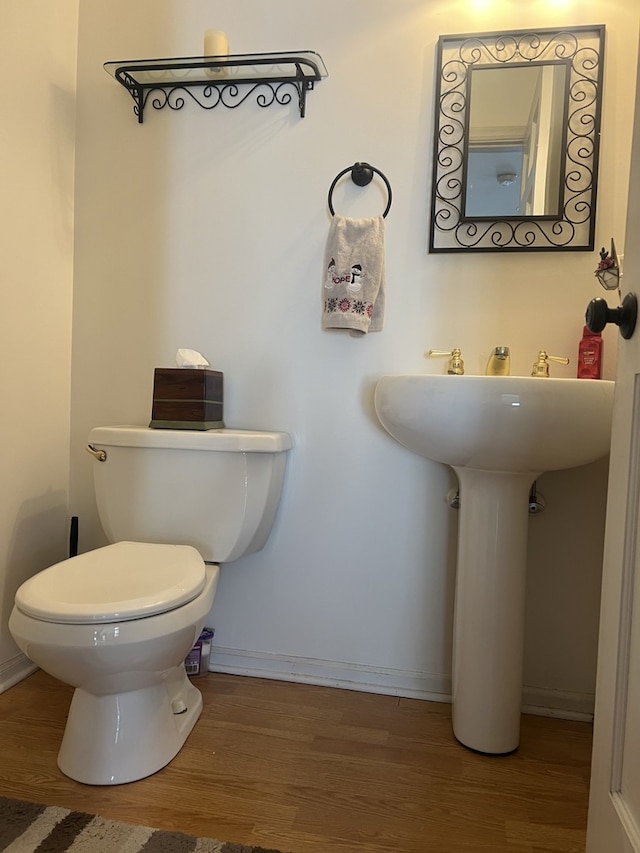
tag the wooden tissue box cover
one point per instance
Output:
(187, 398)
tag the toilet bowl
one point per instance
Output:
(122, 649)
(116, 623)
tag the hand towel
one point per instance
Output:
(353, 289)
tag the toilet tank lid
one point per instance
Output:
(120, 582)
(221, 440)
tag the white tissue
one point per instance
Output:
(191, 358)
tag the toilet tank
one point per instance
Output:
(217, 490)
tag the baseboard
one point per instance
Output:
(393, 682)
(14, 670)
(564, 705)
(369, 679)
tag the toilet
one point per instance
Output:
(116, 623)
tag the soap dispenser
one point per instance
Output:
(590, 355)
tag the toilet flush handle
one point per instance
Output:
(101, 455)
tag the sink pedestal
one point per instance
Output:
(488, 636)
(498, 433)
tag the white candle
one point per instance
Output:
(215, 43)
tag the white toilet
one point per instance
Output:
(118, 622)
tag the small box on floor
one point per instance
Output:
(197, 661)
(187, 398)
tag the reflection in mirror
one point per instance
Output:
(516, 144)
(515, 136)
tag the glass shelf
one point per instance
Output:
(214, 80)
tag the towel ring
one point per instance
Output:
(361, 174)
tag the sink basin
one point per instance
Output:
(498, 423)
(499, 433)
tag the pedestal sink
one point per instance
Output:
(499, 433)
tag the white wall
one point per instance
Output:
(37, 105)
(206, 230)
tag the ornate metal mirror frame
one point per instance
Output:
(571, 225)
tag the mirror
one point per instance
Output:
(516, 122)
(516, 140)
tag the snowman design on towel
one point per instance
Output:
(331, 275)
(352, 279)
(355, 285)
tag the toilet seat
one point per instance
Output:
(120, 582)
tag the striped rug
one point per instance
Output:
(36, 828)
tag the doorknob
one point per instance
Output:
(598, 314)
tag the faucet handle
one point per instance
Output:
(455, 366)
(541, 366)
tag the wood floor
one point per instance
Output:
(319, 770)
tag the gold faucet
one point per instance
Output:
(541, 366)
(499, 362)
(455, 366)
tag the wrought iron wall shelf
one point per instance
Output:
(214, 80)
